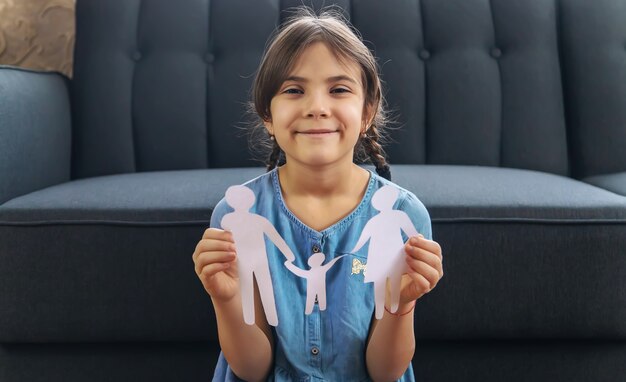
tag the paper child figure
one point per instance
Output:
(249, 231)
(385, 259)
(315, 278)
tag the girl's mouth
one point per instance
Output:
(317, 133)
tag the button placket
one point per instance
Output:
(314, 326)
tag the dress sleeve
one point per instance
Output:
(417, 213)
(221, 209)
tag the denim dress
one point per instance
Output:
(326, 345)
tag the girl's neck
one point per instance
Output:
(322, 182)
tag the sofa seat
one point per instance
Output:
(511, 235)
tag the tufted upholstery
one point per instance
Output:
(165, 89)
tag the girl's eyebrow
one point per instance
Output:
(329, 79)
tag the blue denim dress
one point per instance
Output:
(326, 345)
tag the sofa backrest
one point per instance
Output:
(593, 44)
(161, 85)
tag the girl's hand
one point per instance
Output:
(215, 262)
(425, 264)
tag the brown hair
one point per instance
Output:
(284, 49)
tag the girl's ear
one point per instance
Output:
(269, 127)
(368, 118)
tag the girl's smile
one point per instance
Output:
(318, 133)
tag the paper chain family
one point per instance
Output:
(385, 253)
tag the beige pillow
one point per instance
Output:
(37, 34)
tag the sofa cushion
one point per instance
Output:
(123, 270)
(612, 182)
(170, 197)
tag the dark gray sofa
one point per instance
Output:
(512, 120)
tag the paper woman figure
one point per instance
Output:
(249, 231)
(386, 256)
(315, 279)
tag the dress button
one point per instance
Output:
(496, 53)
(316, 249)
(424, 54)
(315, 350)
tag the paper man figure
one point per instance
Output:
(249, 231)
(385, 259)
(315, 278)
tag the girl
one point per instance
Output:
(318, 95)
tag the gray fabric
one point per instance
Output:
(166, 89)
(593, 35)
(473, 82)
(613, 182)
(152, 198)
(520, 361)
(485, 193)
(120, 362)
(35, 131)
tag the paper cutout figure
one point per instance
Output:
(315, 278)
(248, 231)
(385, 259)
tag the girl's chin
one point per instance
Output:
(317, 160)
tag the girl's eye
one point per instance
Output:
(340, 90)
(292, 91)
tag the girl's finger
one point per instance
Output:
(429, 273)
(429, 245)
(209, 245)
(210, 270)
(420, 281)
(218, 234)
(423, 255)
(206, 258)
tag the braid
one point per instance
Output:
(274, 157)
(376, 153)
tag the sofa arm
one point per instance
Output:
(35, 131)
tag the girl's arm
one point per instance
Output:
(247, 348)
(391, 343)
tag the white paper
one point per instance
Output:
(315, 278)
(386, 255)
(248, 231)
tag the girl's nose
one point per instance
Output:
(318, 107)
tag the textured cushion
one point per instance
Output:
(123, 271)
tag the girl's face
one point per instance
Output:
(317, 114)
